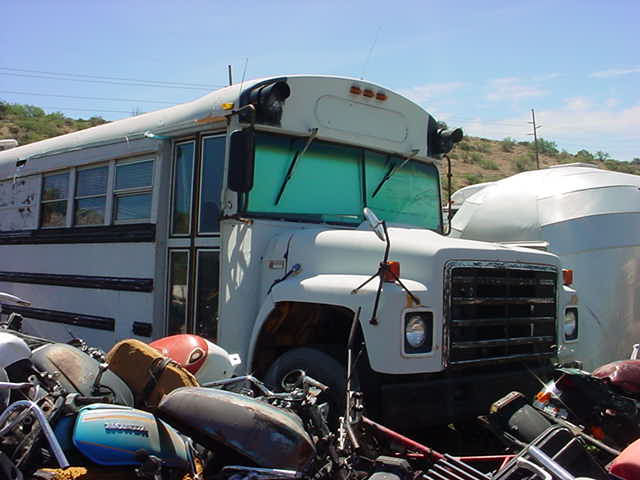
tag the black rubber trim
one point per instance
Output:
(139, 232)
(57, 316)
(80, 281)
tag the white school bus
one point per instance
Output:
(239, 216)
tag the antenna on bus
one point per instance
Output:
(230, 77)
(244, 72)
(373, 45)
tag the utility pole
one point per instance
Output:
(230, 79)
(535, 137)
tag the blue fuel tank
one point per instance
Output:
(112, 435)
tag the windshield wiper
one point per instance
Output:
(297, 156)
(392, 171)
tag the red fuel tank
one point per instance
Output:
(207, 361)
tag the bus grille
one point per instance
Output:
(499, 312)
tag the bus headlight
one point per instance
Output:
(571, 324)
(418, 332)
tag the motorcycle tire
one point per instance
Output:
(527, 423)
(319, 365)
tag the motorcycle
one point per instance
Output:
(69, 408)
(603, 407)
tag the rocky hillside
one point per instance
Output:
(28, 124)
(476, 160)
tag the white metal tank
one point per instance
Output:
(591, 219)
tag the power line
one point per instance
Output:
(86, 98)
(94, 110)
(105, 81)
(99, 77)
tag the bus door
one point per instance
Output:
(194, 236)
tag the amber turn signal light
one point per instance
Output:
(391, 272)
(567, 276)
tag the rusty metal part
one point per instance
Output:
(78, 372)
(82, 473)
(270, 437)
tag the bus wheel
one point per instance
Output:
(319, 365)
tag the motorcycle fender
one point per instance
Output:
(268, 436)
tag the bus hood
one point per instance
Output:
(422, 253)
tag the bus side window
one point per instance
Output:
(91, 196)
(55, 192)
(211, 184)
(208, 267)
(178, 291)
(182, 188)
(132, 191)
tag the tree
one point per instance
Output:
(584, 156)
(546, 147)
(602, 156)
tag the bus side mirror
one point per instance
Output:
(241, 160)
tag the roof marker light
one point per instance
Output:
(368, 93)
(356, 90)
(381, 96)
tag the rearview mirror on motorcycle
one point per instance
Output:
(292, 380)
(299, 379)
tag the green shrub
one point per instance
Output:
(524, 162)
(465, 146)
(473, 178)
(508, 144)
(489, 164)
(602, 156)
(475, 157)
(484, 147)
(617, 166)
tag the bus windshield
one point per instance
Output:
(332, 183)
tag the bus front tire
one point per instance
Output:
(320, 366)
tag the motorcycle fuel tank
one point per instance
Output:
(624, 374)
(112, 435)
(78, 372)
(270, 437)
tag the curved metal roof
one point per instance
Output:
(517, 207)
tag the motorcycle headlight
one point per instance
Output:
(571, 324)
(418, 332)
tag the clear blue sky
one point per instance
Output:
(481, 65)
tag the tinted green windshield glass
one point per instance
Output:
(328, 184)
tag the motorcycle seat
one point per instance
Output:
(148, 373)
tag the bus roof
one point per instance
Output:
(208, 109)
